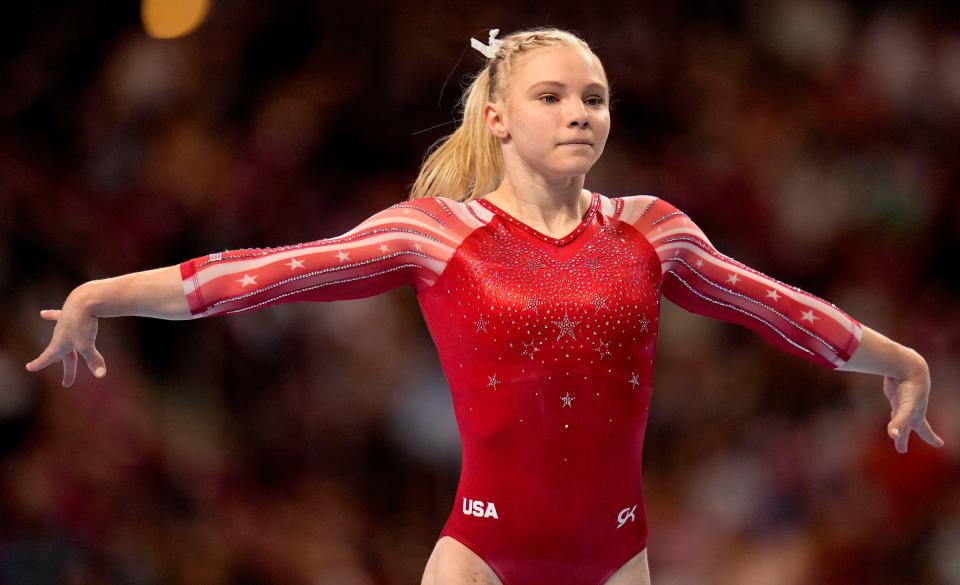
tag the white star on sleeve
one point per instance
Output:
(773, 294)
(294, 264)
(383, 248)
(247, 279)
(732, 279)
(699, 261)
(809, 316)
(343, 255)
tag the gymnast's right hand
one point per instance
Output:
(75, 332)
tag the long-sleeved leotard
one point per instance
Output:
(548, 347)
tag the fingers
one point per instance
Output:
(901, 435)
(899, 430)
(926, 433)
(91, 356)
(908, 402)
(69, 368)
(95, 361)
(898, 427)
(900, 443)
(43, 360)
(48, 356)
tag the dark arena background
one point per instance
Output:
(817, 141)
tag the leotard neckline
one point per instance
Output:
(584, 222)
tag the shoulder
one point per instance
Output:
(438, 209)
(634, 208)
(435, 213)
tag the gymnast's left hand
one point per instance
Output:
(908, 407)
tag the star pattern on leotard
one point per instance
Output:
(773, 294)
(600, 302)
(566, 326)
(247, 279)
(643, 323)
(493, 382)
(533, 303)
(529, 348)
(567, 400)
(481, 324)
(602, 349)
(294, 264)
(634, 379)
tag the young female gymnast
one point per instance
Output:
(543, 299)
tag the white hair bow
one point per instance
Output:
(490, 49)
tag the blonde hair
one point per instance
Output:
(468, 163)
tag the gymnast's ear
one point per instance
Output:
(493, 117)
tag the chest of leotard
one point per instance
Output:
(524, 328)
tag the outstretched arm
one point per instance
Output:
(700, 279)
(906, 384)
(408, 243)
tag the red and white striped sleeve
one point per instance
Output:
(700, 279)
(407, 243)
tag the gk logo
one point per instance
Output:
(626, 514)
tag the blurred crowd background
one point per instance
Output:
(817, 141)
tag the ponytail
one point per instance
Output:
(467, 163)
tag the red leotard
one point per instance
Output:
(548, 347)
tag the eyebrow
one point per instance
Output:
(558, 84)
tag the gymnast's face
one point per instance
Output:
(554, 96)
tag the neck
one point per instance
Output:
(551, 205)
